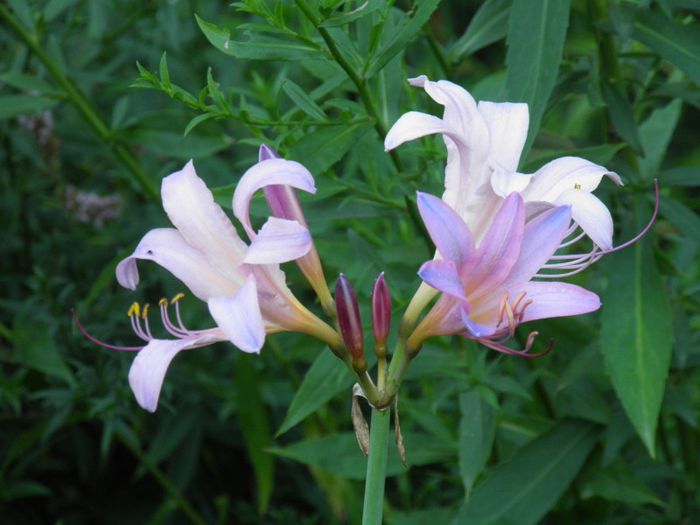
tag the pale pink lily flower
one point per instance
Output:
(484, 143)
(487, 287)
(243, 285)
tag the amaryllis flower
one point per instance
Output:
(488, 287)
(484, 143)
(243, 286)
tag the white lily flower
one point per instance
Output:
(484, 143)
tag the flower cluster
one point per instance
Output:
(502, 238)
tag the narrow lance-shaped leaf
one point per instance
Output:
(523, 489)
(476, 433)
(637, 333)
(656, 133)
(535, 44)
(488, 25)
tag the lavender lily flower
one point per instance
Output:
(243, 286)
(488, 288)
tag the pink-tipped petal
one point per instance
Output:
(283, 203)
(239, 317)
(555, 299)
(500, 247)
(278, 241)
(507, 124)
(541, 238)
(148, 370)
(203, 224)
(413, 125)
(447, 229)
(444, 276)
(566, 173)
(266, 173)
(167, 247)
(591, 215)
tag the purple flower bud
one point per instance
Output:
(349, 318)
(266, 153)
(381, 310)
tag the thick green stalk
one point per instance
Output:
(80, 101)
(376, 467)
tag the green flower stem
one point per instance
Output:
(356, 79)
(80, 101)
(376, 467)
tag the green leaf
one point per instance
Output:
(163, 70)
(174, 144)
(27, 83)
(326, 378)
(345, 18)
(303, 100)
(15, 105)
(196, 121)
(255, 427)
(622, 116)
(683, 176)
(489, 25)
(476, 433)
(618, 482)
(677, 43)
(535, 43)
(324, 147)
(655, 134)
(340, 454)
(257, 47)
(406, 31)
(636, 332)
(682, 217)
(523, 489)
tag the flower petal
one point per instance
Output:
(476, 330)
(541, 238)
(266, 173)
(566, 173)
(266, 152)
(168, 248)
(279, 240)
(443, 275)
(413, 125)
(203, 224)
(447, 230)
(507, 124)
(499, 249)
(555, 299)
(239, 317)
(591, 214)
(505, 182)
(149, 367)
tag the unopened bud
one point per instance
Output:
(349, 321)
(381, 313)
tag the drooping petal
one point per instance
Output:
(413, 125)
(149, 367)
(203, 224)
(447, 230)
(566, 173)
(507, 124)
(499, 249)
(443, 275)
(167, 247)
(278, 241)
(591, 214)
(555, 299)
(541, 238)
(239, 317)
(505, 182)
(266, 173)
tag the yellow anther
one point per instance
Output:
(134, 310)
(144, 313)
(163, 302)
(577, 186)
(177, 298)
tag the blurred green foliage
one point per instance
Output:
(603, 430)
